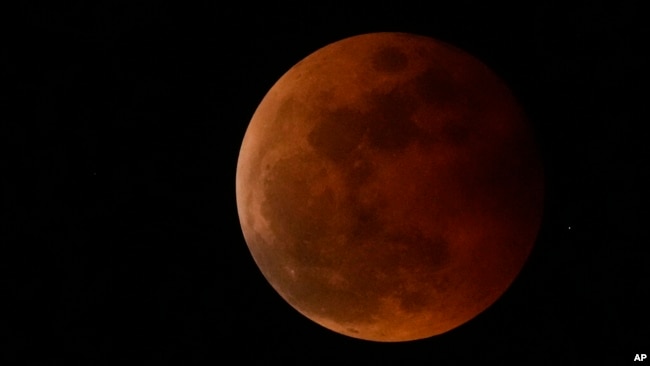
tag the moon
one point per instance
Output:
(389, 187)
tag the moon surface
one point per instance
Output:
(389, 187)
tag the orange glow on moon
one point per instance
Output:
(389, 188)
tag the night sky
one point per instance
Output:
(120, 240)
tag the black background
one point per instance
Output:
(120, 240)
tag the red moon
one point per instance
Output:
(389, 187)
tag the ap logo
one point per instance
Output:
(640, 357)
